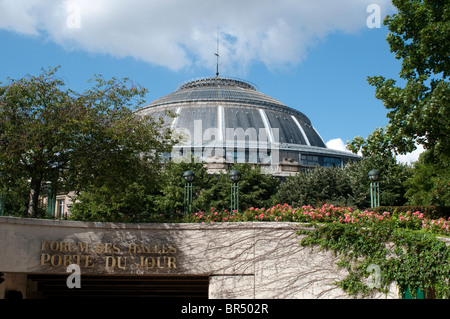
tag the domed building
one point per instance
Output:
(224, 120)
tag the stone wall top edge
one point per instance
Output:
(147, 226)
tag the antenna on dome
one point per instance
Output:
(217, 54)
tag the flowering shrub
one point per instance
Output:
(439, 226)
(325, 214)
(213, 216)
(412, 233)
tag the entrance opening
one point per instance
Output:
(55, 286)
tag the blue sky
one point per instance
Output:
(314, 56)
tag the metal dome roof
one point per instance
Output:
(219, 89)
(214, 111)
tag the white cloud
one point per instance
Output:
(410, 157)
(337, 144)
(182, 34)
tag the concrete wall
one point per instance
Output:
(244, 260)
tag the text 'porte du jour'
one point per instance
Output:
(111, 256)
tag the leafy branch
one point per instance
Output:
(406, 257)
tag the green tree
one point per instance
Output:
(393, 177)
(379, 154)
(79, 141)
(170, 200)
(315, 187)
(256, 189)
(419, 112)
(15, 196)
(213, 190)
(132, 199)
(36, 118)
(376, 144)
(430, 184)
(346, 186)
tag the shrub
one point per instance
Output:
(431, 212)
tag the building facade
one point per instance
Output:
(259, 260)
(224, 121)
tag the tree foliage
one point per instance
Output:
(130, 200)
(76, 141)
(410, 258)
(376, 144)
(393, 177)
(170, 200)
(348, 186)
(213, 190)
(430, 184)
(315, 187)
(418, 111)
(34, 131)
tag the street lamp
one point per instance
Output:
(235, 176)
(51, 199)
(374, 175)
(188, 177)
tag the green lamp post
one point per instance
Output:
(235, 176)
(51, 199)
(189, 178)
(374, 175)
